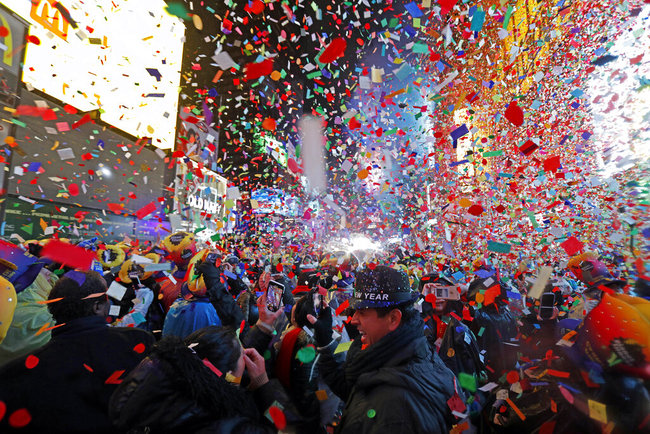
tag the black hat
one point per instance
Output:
(381, 287)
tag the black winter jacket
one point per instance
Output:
(407, 395)
(72, 377)
(171, 391)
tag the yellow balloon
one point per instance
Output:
(7, 306)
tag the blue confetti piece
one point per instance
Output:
(477, 21)
(413, 9)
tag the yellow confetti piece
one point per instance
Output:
(321, 395)
(597, 411)
(196, 20)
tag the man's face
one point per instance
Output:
(371, 326)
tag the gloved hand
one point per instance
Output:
(322, 327)
(215, 284)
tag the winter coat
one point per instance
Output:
(499, 327)
(65, 386)
(407, 395)
(171, 391)
(300, 379)
(29, 317)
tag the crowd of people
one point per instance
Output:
(264, 335)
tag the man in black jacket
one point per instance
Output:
(391, 381)
(65, 386)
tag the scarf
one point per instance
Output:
(377, 355)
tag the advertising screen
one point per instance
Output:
(122, 57)
(54, 150)
(274, 201)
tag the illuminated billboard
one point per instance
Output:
(122, 57)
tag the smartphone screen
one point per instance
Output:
(274, 295)
(318, 303)
(547, 302)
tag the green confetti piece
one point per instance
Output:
(342, 347)
(480, 332)
(420, 47)
(493, 154)
(467, 381)
(28, 228)
(495, 246)
(178, 10)
(506, 19)
(306, 354)
(371, 413)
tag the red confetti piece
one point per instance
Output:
(446, 5)
(115, 207)
(70, 109)
(515, 114)
(572, 246)
(475, 210)
(528, 148)
(73, 189)
(88, 368)
(3, 409)
(115, 377)
(257, 70)
(334, 50)
(560, 374)
(213, 368)
(353, 123)
(3, 32)
(20, 418)
(146, 210)
(342, 307)
(430, 298)
(84, 120)
(512, 377)
(293, 166)
(256, 7)
(67, 254)
(278, 417)
(552, 164)
(31, 361)
(33, 40)
(241, 326)
(269, 124)
(139, 348)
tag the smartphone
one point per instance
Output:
(546, 305)
(318, 303)
(274, 295)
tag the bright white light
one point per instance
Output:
(361, 242)
(102, 64)
(620, 103)
(105, 172)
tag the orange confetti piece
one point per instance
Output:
(516, 409)
(54, 300)
(45, 328)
